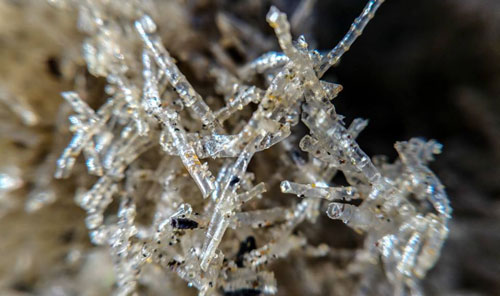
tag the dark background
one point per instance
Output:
(432, 69)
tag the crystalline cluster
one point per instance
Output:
(171, 187)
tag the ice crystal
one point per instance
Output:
(175, 191)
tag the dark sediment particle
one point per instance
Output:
(68, 236)
(243, 292)
(53, 67)
(173, 264)
(245, 247)
(234, 181)
(184, 223)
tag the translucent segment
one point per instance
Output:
(213, 146)
(217, 227)
(387, 245)
(225, 204)
(279, 248)
(97, 198)
(131, 97)
(331, 89)
(301, 14)
(85, 126)
(39, 198)
(178, 81)
(333, 134)
(302, 62)
(415, 154)
(68, 158)
(431, 248)
(232, 26)
(200, 173)
(315, 191)
(357, 126)
(243, 98)
(169, 119)
(244, 280)
(10, 179)
(216, 146)
(78, 105)
(19, 106)
(253, 192)
(267, 61)
(278, 21)
(93, 160)
(340, 211)
(410, 254)
(261, 218)
(355, 30)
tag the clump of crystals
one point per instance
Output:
(199, 184)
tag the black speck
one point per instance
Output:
(184, 223)
(245, 247)
(173, 263)
(243, 292)
(67, 236)
(235, 55)
(296, 156)
(19, 144)
(234, 181)
(53, 67)
(22, 287)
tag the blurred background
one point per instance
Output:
(422, 68)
